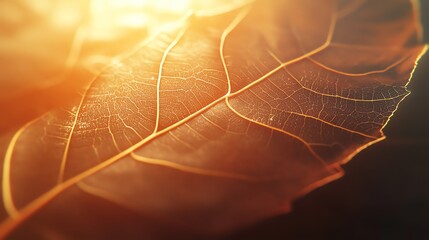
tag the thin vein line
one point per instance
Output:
(131, 128)
(332, 124)
(342, 97)
(387, 68)
(195, 131)
(225, 34)
(343, 73)
(66, 149)
(9, 205)
(310, 149)
(111, 134)
(196, 170)
(183, 142)
(161, 65)
(213, 123)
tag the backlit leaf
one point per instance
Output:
(217, 122)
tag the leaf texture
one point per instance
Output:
(214, 124)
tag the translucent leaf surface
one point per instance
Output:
(218, 122)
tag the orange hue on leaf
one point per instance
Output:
(217, 122)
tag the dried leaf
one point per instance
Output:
(215, 124)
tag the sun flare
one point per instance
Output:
(135, 13)
(108, 15)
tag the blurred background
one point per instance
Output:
(385, 191)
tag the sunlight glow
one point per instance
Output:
(108, 15)
(110, 19)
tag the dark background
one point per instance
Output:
(385, 192)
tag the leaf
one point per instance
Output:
(214, 124)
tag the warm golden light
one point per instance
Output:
(107, 16)
(105, 19)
